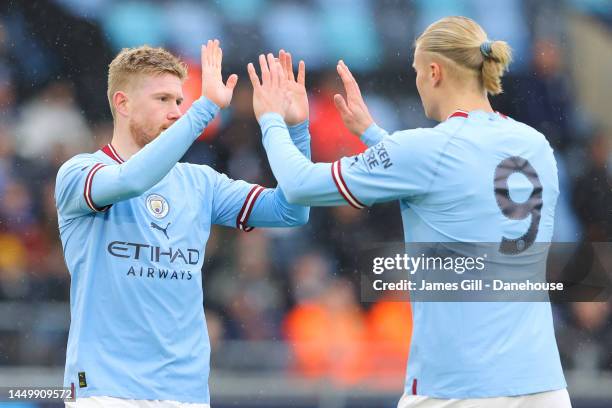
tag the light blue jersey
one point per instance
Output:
(455, 183)
(134, 235)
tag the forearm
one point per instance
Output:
(300, 136)
(272, 208)
(301, 181)
(147, 167)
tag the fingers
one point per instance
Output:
(301, 78)
(232, 81)
(341, 105)
(253, 76)
(282, 58)
(282, 78)
(347, 70)
(274, 70)
(218, 54)
(265, 72)
(349, 75)
(212, 54)
(350, 85)
(205, 53)
(289, 67)
(344, 76)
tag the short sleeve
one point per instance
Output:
(402, 165)
(73, 187)
(233, 201)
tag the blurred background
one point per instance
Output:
(283, 309)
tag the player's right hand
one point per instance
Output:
(212, 82)
(298, 110)
(353, 111)
(271, 95)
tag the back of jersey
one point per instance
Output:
(495, 181)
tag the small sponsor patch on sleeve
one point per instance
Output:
(377, 156)
(82, 379)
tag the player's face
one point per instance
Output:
(154, 106)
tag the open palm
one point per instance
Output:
(298, 110)
(271, 94)
(212, 82)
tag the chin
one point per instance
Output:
(149, 139)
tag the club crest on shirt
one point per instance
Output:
(157, 205)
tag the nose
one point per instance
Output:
(175, 113)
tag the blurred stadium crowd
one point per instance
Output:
(299, 285)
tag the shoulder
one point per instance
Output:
(452, 126)
(403, 149)
(535, 140)
(77, 168)
(422, 141)
(421, 135)
(80, 158)
(417, 133)
(525, 129)
(73, 174)
(81, 161)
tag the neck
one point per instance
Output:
(124, 143)
(463, 101)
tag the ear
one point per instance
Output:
(435, 73)
(121, 103)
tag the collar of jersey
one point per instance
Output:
(459, 113)
(110, 151)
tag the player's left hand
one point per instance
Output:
(212, 82)
(353, 110)
(298, 110)
(271, 95)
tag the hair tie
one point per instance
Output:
(485, 48)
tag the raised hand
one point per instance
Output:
(298, 111)
(271, 94)
(212, 82)
(353, 111)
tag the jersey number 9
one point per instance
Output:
(518, 211)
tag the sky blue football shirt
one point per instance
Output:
(449, 181)
(135, 253)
